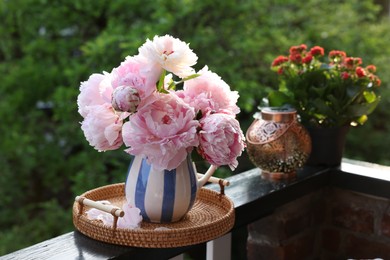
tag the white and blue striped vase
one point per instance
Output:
(163, 196)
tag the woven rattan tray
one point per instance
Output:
(211, 216)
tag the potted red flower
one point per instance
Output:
(329, 94)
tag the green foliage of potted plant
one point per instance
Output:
(328, 95)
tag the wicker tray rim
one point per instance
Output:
(212, 216)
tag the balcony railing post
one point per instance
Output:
(220, 248)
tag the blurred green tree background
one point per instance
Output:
(48, 47)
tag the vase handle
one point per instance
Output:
(216, 180)
(202, 181)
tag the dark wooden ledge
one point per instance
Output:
(253, 197)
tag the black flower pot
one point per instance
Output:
(327, 146)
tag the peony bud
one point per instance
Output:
(125, 99)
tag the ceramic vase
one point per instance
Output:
(163, 196)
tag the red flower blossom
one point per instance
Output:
(337, 54)
(371, 68)
(351, 62)
(279, 60)
(345, 75)
(296, 58)
(298, 49)
(280, 71)
(360, 72)
(375, 80)
(317, 51)
(348, 63)
(307, 59)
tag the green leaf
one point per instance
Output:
(322, 108)
(172, 85)
(278, 99)
(335, 103)
(160, 85)
(357, 110)
(369, 96)
(361, 120)
(191, 77)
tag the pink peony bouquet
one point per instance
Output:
(138, 105)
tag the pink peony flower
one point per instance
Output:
(125, 99)
(221, 140)
(132, 218)
(171, 54)
(95, 91)
(164, 123)
(102, 127)
(209, 92)
(96, 214)
(137, 73)
(164, 131)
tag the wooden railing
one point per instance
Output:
(253, 197)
